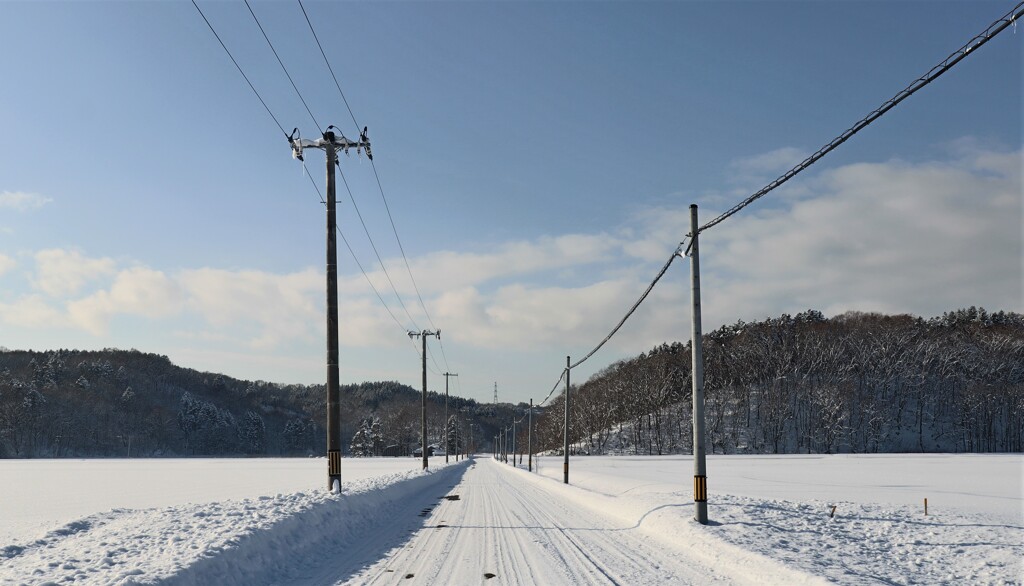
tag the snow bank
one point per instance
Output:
(260, 540)
(879, 532)
(669, 521)
(44, 495)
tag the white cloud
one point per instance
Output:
(775, 162)
(265, 308)
(447, 270)
(6, 263)
(64, 272)
(518, 317)
(22, 201)
(892, 236)
(136, 291)
(30, 311)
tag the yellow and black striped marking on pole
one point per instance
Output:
(333, 462)
(700, 489)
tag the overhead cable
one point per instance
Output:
(553, 389)
(363, 271)
(329, 68)
(283, 68)
(647, 292)
(239, 68)
(355, 206)
(376, 175)
(994, 29)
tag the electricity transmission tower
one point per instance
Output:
(331, 143)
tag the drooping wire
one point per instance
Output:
(283, 68)
(618, 326)
(239, 68)
(629, 313)
(950, 61)
(945, 65)
(553, 389)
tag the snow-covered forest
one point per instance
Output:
(794, 384)
(116, 403)
(857, 382)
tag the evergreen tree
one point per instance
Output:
(362, 444)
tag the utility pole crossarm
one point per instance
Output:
(338, 141)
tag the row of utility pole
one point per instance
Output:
(331, 143)
(508, 436)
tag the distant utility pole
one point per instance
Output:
(529, 439)
(446, 376)
(513, 439)
(700, 478)
(565, 448)
(423, 410)
(495, 393)
(331, 143)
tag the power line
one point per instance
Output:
(945, 65)
(360, 265)
(329, 68)
(285, 69)
(312, 181)
(374, 246)
(629, 313)
(376, 175)
(239, 68)
(553, 389)
(386, 274)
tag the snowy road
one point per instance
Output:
(625, 520)
(499, 526)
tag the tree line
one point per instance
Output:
(118, 403)
(854, 383)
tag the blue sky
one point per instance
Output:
(538, 159)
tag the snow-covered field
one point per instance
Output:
(623, 520)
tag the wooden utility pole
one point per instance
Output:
(423, 408)
(331, 144)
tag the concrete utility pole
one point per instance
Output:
(446, 375)
(700, 478)
(331, 143)
(529, 439)
(565, 448)
(513, 440)
(423, 409)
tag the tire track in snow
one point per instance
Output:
(524, 534)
